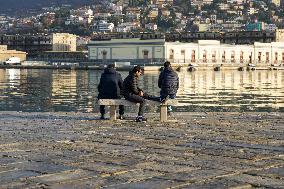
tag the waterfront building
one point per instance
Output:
(64, 42)
(32, 44)
(6, 54)
(127, 50)
(151, 51)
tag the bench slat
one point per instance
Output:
(116, 102)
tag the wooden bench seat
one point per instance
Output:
(113, 103)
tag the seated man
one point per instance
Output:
(169, 83)
(110, 88)
(133, 93)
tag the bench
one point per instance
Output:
(113, 103)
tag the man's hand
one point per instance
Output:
(141, 93)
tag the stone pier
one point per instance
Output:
(192, 150)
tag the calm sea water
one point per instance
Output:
(76, 90)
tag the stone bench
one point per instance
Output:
(113, 103)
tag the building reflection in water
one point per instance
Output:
(76, 90)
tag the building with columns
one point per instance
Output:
(151, 51)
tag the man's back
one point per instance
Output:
(168, 81)
(110, 84)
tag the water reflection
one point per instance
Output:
(70, 90)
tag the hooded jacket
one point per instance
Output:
(110, 84)
(168, 82)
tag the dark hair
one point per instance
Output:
(167, 64)
(111, 66)
(136, 68)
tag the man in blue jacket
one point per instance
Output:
(169, 83)
(110, 87)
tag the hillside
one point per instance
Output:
(14, 7)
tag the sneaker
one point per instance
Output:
(102, 117)
(141, 119)
(121, 117)
(163, 101)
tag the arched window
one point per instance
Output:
(171, 57)
(259, 57)
(204, 56)
(276, 58)
(267, 57)
(241, 57)
(193, 56)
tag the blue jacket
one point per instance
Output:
(110, 84)
(168, 82)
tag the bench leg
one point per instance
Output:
(163, 113)
(112, 112)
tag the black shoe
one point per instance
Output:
(121, 117)
(140, 119)
(164, 100)
(102, 117)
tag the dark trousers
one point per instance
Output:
(103, 111)
(141, 100)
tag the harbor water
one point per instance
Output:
(42, 90)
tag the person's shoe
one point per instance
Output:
(121, 117)
(141, 119)
(164, 100)
(102, 117)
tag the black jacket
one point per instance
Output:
(168, 82)
(130, 85)
(110, 84)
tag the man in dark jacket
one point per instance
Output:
(110, 88)
(169, 83)
(133, 93)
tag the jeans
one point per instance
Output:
(141, 100)
(171, 96)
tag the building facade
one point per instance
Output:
(151, 51)
(6, 54)
(64, 42)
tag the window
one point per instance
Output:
(193, 56)
(233, 56)
(104, 55)
(259, 57)
(171, 54)
(276, 57)
(145, 54)
(204, 56)
(267, 57)
(224, 56)
(242, 57)
(214, 56)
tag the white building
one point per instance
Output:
(103, 26)
(203, 52)
(127, 26)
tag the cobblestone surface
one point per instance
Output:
(193, 150)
